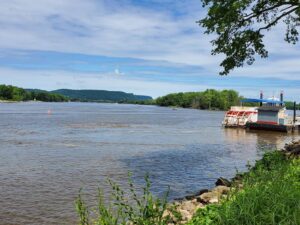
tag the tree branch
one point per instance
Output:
(277, 19)
(287, 8)
(253, 15)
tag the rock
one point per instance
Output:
(202, 191)
(199, 198)
(191, 206)
(186, 216)
(179, 199)
(173, 219)
(292, 149)
(194, 201)
(221, 190)
(199, 206)
(223, 182)
(214, 200)
(191, 197)
(214, 195)
(238, 177)
(210, 197)
(167, 213)
(186, 208)
(296, 152)
(177, 203)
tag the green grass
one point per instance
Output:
(270, 195)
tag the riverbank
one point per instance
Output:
(268, 194)
(209, 99)
(8, 101)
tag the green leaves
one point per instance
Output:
(270, 195)
(82, 210)
(240, 27)
(209, 99)
(126, 207)
(12, 93)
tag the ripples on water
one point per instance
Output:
(46, 159)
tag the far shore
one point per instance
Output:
(8, 101)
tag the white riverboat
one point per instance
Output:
(270, 115)
(239, 116)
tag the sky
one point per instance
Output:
(149, 47)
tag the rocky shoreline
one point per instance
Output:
(188, 205)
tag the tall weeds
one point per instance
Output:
(126, 207)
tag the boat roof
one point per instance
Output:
(262, 100)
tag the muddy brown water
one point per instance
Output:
(51, 150)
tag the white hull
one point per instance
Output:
(238, 116)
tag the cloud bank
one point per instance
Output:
(154, 43)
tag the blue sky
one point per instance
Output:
(151, 47)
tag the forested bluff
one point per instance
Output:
(16, 94)
(208, 99)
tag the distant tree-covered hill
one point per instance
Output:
(12, 93)
(100, 95)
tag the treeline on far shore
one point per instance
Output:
(209, 99)
(290, 105)
(12, 93)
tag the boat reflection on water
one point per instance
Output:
(263, 139)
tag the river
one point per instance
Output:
(51, 150)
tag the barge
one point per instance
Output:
(269, 115)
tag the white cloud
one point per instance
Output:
(50, 80)
(287, 69)
(121, 29)
(93, 27)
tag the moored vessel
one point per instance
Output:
(239, 116)
(269, 115)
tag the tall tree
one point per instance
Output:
(240, 25)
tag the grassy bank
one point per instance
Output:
(268, 194)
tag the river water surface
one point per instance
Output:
(51, 150)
